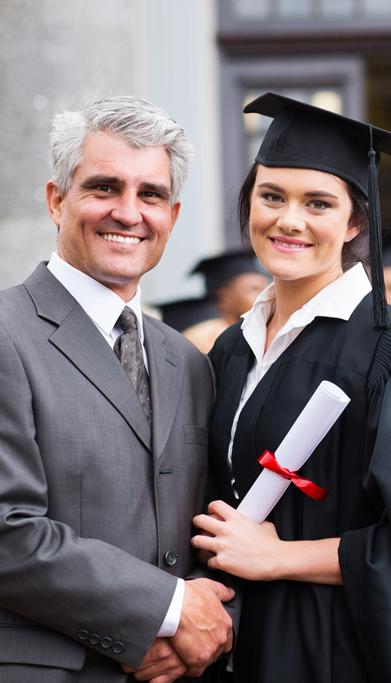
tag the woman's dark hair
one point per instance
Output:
(357, 250)
(244, 203)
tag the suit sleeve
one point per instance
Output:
(365, 559)
(48, 574)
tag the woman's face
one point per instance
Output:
(299, 222)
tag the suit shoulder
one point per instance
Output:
(12, 300)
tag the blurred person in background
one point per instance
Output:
(233, 280)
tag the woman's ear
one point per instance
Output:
(352, 232)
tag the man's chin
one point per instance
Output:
(124, 285)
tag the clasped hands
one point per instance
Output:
(204, 633)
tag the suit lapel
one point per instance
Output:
(81, 342)
(166, 378)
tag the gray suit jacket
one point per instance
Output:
(95, 510)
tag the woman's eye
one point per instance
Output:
(319, 204)
(272, 197)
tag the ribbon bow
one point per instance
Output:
(268, 460)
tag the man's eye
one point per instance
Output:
(150, 194)
(103, 188)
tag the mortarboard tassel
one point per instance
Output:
(380, 312)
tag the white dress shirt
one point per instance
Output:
(104, 307)
(337, 300)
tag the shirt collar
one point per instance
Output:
(100, 303)
(338, 300)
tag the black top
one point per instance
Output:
(297, 629)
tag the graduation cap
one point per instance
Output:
(304, 136)
(220, 269)
(183, 313)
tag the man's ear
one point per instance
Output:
(54, 202)
(175, 210)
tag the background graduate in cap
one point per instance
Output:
(316, 609)
(232, 280)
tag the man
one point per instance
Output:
(103, 430)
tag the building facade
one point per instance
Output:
(201, 61)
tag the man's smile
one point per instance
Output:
(115, 237)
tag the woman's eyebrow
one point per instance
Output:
(271, 186)
(320, 193)
(311, 193)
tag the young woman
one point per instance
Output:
(305, 204)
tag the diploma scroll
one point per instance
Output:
(316, 419)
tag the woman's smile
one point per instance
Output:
(289, 245)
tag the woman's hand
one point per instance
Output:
(204, 555)
(238, 545)
(254, 551)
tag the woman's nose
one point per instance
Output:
(291, 220)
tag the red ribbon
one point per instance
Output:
(268, 460)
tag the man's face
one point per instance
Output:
(116, 218)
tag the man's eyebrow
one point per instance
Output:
(160, 189)
(90, 181)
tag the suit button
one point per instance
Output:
(170, 558)
(106, 642)
(83, 634)
(94, 639)
(118, 647)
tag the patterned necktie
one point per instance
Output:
(129, 350)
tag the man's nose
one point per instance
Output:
(127, 210)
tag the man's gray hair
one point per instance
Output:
(137, 121)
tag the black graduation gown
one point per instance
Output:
(297, 631)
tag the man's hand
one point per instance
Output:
(205, 629)
(161, 664)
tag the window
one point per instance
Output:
(285, 10)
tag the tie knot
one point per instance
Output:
(127, 320)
